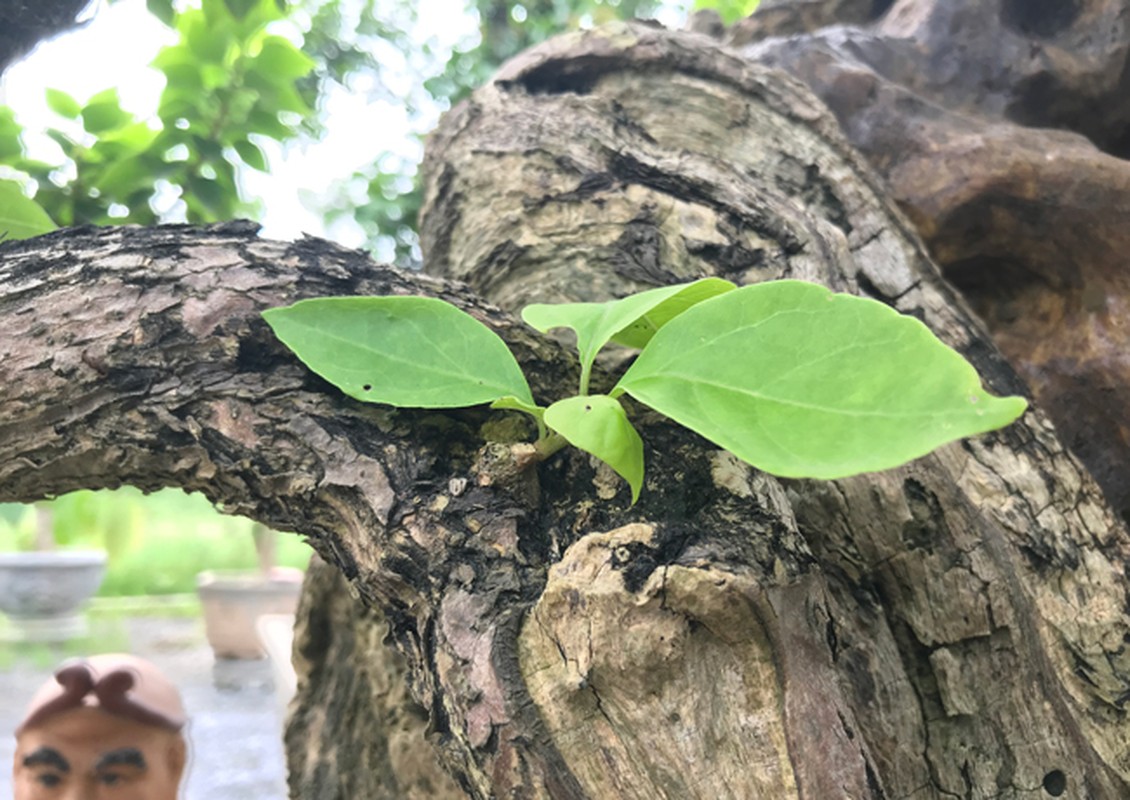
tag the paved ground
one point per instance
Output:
(235, 733)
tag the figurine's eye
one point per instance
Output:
(49, 779)
(110, 778)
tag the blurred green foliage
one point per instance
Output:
(156, 543)
(231, 82)
(729, 10)
(20, 216)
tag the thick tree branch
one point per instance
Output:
(139, 356)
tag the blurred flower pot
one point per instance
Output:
(233, 601)
(42, 593)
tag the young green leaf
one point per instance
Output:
(632, 320)
(20, 216)
(801, 382)
(598, 425)
(640, 331)
(405, 351)
(63, 104)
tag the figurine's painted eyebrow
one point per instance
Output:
(47, 757)
(125, 756)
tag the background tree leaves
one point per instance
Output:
(230, 80)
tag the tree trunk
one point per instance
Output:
(954, 627)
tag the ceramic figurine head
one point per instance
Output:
(105, 727)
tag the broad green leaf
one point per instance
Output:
(632, 320)
(20, 216)
(405, 351)
(251, 154)
(281, 60)
(639, 332)
(801, 382)
(103, 112)
(63, 104)
(598, 425)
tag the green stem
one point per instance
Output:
(586, 373)
(548, 445)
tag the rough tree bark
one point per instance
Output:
(955, 627)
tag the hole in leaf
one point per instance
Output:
(368, 387)
(1055, 783)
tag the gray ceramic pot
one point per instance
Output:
(42, 593)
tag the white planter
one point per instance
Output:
(42, 593)
(234, 601)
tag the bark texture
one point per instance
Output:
(393, 760)
(955, 627)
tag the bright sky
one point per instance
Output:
(115, 48)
